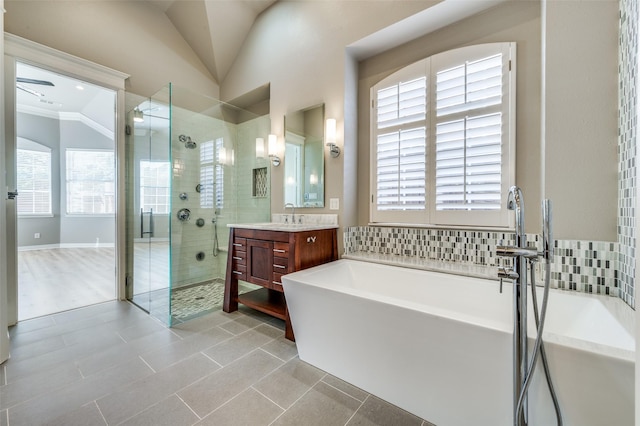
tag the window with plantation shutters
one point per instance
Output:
(443, 147)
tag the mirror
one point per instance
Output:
(304, 157)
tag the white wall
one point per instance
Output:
(133, 37)
(299, 48)
(581, 103)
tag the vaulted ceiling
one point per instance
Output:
(215, 29)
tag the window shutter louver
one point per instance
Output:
(443, 139)
(90, 177)
(469, 147)
(401, 146)
(154, 186)
(34, 182)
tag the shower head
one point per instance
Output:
(188, 143)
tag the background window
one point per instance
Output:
(34, 182)
(155, 186)
(90, 179)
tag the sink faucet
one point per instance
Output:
(293, 212)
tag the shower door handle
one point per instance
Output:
(150, 231)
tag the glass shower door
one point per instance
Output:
(149, 201)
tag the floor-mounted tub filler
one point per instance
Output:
(441, 345)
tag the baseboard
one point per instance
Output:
(66, 245)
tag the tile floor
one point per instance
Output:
(112, 364)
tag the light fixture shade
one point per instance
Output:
(330, 132)
(273, 145)
(222, 155)
(259, 147)
(138, 116)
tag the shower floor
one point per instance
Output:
(192, 301)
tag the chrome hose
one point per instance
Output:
(538, 348)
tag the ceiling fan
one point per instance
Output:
(20, 84)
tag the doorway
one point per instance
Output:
(65, 168)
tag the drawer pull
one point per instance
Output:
(279, 266)
(311, 239)
(237, 273)
(276, 282)
(237, 258)
(279, 251)
(237, 245)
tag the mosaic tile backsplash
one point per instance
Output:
(627, 134)
(585, 266)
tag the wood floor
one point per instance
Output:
(56, 280)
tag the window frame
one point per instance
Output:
(430, 216)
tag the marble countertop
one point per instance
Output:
(286, 227)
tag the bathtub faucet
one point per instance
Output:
(521, 254)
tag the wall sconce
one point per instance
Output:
(138, 116)
(273, 150)
(330, 137)
(222, 155)
(259, 147)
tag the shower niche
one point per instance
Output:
(189, 172)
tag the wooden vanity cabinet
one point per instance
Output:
(262, 257)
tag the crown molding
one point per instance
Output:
(67, 116)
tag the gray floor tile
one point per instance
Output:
(122, 352)
(183, 349)
(240, 345)
(214, 390)
(345, 387)
(2, 376)
(143, 328)
(88, 415)
(376, 412)
(281, 348)
(248, 408)
(30, 350)
(4, 421)
(323, 405)
(241, 324)
(93, 335)
(203, 323)
(20, 338)
(289, 382)
(129, 400)
(169, 412)
(30, 387)
(70, 398)
(31, 325)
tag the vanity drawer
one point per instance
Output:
(240, 273)
(280, 249)
(276, 283)
(239, 261)
(280, 264)
(239, 244)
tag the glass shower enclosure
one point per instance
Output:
(191, 169)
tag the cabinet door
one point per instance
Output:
(259, 262)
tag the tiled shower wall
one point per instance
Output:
(238, 204)
(585, 266)
(627, 130)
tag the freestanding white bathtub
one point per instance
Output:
(440, 345)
